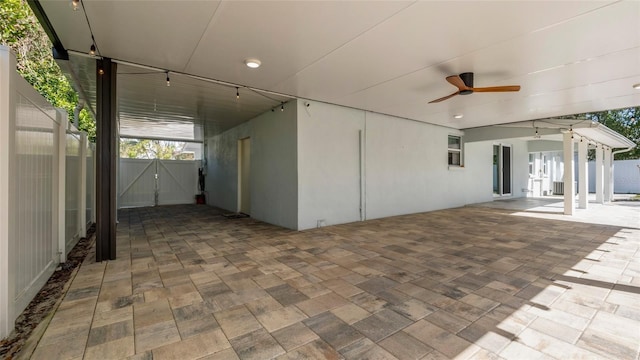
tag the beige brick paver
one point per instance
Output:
(466, 283)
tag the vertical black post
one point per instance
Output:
(107, 154)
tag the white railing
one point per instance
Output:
(41, 169)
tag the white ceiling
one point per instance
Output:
(390, 57)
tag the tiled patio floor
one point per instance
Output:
(461, 283)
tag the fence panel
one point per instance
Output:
(137, 182)
(626, 176)
(90, 184)
(72, 189)
(177, 181)
(28, 235)
(39, 192)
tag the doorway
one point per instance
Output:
(502, 160)
(244, 176)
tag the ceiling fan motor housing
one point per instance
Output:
(467, 78)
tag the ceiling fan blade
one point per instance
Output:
(444, 98)
(456, 81)
(497, 88)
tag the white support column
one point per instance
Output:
(608, 175)
(599, 174)
(583, 174)
(60, 209)
(82, 186)
(569, 187)
(7, 138)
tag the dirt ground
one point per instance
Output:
(45, 300)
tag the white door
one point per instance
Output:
(244, 176)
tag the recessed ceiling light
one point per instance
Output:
(253, 63)
(458, 116)
(636, 86)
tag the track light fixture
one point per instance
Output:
(92, 50)
(281, 106)
(237, 93)
(168, 81)
(75, 4)
(537, 136)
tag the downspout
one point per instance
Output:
(76, 113)
(621, 151)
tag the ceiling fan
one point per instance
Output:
(464, 83)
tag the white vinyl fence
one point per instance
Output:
(626, 176)
(145, 182)
(41, 169)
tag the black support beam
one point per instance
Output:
(107, 156)
(59, 52)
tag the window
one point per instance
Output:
(455, 150)
(532, 167)
(545, 171)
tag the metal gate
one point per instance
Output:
(144, 182)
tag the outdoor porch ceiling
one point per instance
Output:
(551, 129)
(385, 56)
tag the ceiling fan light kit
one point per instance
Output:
(464, 83)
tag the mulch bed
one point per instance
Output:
(45, 300)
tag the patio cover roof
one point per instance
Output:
(389, 57)
(551, 129)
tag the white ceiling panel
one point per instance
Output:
(426, 34)
(390, 57)
(286, 36)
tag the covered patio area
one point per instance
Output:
(470, 282)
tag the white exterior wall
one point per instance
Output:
(329, 186)
(405, 166)
(407, 171)
(317, 165)
(221, 181)
(274, 170)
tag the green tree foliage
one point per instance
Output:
(153, 149)
(20, 30)
(624, 121)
